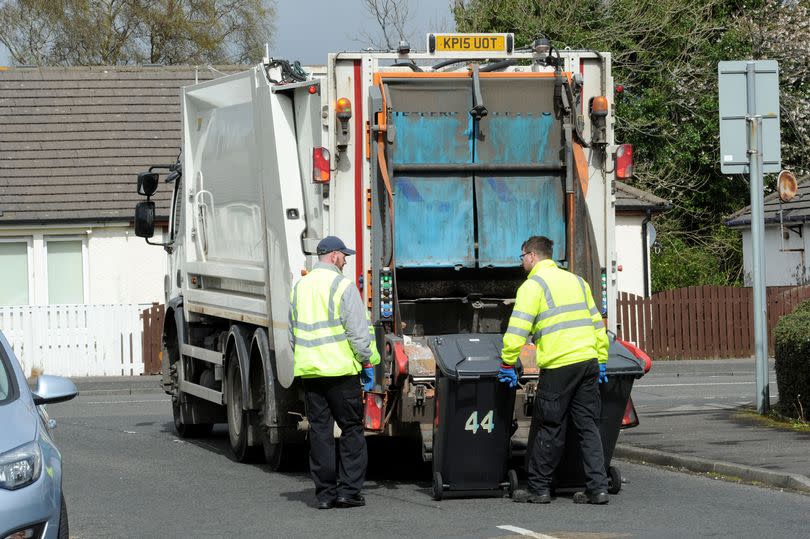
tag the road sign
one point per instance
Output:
(735, 105)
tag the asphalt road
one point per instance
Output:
(695, 386)
(128, 475)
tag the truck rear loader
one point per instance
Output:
(434, 166)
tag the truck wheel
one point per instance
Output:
(614, 480)
(513, 482)
(237, 417)
(438, 486)
(182, 429)
(274, 454)
(185, 430)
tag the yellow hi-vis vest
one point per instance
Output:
(321, 344)
(556, 310)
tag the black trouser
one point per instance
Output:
(329, 400)
(570, 391)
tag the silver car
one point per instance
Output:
(31, 501)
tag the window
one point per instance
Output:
(65, 261)
(14, 286)
(8, 387)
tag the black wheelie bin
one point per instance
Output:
(622, 370)
(474, 415)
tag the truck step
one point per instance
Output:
(204, 393)
(203, 354)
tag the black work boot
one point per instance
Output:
(353, 501)
(527, 496)
(597, 498)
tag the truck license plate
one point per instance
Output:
(438, 43)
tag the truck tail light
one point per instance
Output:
(321, 165)
(624, 162)
(374, 410)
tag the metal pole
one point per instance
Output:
(757, 234)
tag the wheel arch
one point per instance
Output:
(237, 340)
(263, 357)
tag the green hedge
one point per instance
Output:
(792, 345)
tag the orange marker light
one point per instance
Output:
(599, 106)
(343, 109)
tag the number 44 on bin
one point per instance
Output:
(487, 424)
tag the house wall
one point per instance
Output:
(782, 267)
(629, 254)
(124, 268)
(117, 267)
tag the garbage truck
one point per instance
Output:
(434, 166)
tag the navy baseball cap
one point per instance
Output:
(333, 243)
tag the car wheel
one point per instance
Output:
(64, 528)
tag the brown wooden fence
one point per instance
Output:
(152, 337)
(701, 321)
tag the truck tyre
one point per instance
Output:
(183, 430)
(274, 452)
(237, 417)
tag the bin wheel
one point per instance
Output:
(513, 482)
(438, 486)
(614, 480)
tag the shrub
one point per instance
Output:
(792, 347)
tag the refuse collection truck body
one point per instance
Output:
(433, 166)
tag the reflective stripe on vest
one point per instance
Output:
(321, 344)
(581, 315)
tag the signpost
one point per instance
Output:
(750, 142)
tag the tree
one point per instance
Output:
(665, 54)
(28, 29)
(109, 32)
(780, 30)
(392, 16)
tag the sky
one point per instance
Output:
(307, 30)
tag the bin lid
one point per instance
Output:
(467, 355)
(622, 361)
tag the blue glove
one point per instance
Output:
(507, 375)
(367, 377)
(602, 373)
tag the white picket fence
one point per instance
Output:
(76, 340)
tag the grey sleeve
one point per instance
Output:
(291, 335)
(292, 317)
(353, 318)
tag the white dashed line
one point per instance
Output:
(126, 402)
(697, 384)
(524, 531)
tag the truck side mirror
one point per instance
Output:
(147, 183)
(145, 217)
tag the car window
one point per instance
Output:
(7, 387)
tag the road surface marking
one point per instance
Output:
(527, 533)
(126, 402)
(700, 384)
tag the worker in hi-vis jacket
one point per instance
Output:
(334, 352)
(556, 309)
